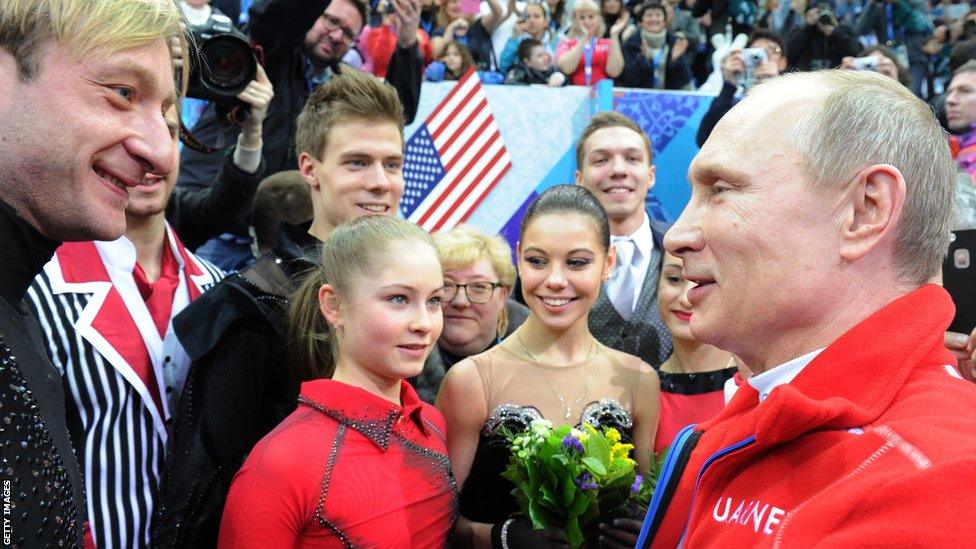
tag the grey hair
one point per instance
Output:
(866, 119)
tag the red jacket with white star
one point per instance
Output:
(873, 443)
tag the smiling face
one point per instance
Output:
(562, 264)
(672, 298)
(333, 32)
(80, 134)
(653, 20)
(616, 168)
(470, 328)
(390, 318)
(587, 20)
(758, 242)
(961, 102)
(360, 173)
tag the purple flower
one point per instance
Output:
(585, 482)
(572, 443)
(635, 487)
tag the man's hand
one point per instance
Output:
(964, 348)
(733, 66)
(409, 13)
(257, 94)
(621, 534)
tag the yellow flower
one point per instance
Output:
(613, 435)
(621, 451)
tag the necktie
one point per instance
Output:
(621, 286)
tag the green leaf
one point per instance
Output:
(598, 448)
(595, 465)
(538, 515)
(574, 536)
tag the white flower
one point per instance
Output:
(541, 427)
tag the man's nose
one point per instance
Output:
(685, 235)
(152, 144)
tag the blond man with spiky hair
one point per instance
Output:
(83, 88)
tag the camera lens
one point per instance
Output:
(227, 59)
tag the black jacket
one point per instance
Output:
(46, 494)
(520, 74)
(279, 27)
(722, 104)
(199, 214)
(810, 49)
(639, 70)
(237, 390)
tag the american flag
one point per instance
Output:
(454, 159)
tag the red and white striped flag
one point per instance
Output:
(454, 159)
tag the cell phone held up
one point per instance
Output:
(959, 279)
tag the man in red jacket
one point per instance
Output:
(820, 209)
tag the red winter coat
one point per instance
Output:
(873, 444)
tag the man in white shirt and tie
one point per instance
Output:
(614, 161)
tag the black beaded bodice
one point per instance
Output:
(34, 480)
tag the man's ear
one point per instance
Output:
(306, 165)
(872, 208)
(652, 173)
(579, 177)
(330, 305)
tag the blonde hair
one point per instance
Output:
(85, 28)
(352, 95)
(867, 119)
(586, 5)
(464, 246)
(352, 250)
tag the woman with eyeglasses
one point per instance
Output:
(478, 278)
(550, 368)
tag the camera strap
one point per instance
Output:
(227, 115)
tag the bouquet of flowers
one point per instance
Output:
(570, 477)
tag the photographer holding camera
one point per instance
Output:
(902, 25)
(304, 43)
(822, 43)
(736, 79)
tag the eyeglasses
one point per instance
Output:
(332, 23)
(477, 292)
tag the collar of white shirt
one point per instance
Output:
(772, 378)
(643, 240)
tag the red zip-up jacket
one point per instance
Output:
(872, 444)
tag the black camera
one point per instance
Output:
(222, 62)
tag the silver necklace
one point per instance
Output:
(562, 401)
